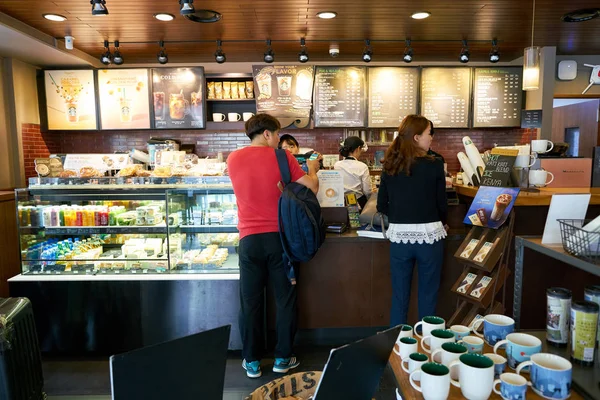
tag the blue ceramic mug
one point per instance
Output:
(495, 327)
(512, 386)
(519, 347)
(551, 375)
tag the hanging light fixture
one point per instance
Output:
(303, 55)
(220, 57)
(531, 62)
(464, 52)
(117, 56)
(162, 56)
(494, 53)
(269, 56)
(187, 7)
(408, 52)
(367, 52)
(106, 57)
(99, 7)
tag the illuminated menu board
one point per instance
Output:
(70, 100)
(393, 93)
(445, 96)
(340, 96)
(284, 90)
(124, 98)
(498, 97)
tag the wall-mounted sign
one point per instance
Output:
(445, 96)
(393, 93)
(124, 98)
(70, 100)
(497, 97)
(531, 118)
(340, 96)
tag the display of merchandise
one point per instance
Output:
(558, 304)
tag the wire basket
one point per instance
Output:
(580, 242)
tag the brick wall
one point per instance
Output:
(36, 145)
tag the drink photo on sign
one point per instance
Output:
(491, 206)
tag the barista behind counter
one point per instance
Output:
(356, 175)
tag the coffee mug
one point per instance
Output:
(406, 346)
(499, 363)
(551, 375)
(525, 160)
(234, 117)
(541, 146)
(519, 347)
(405, 331)
(475, 376)
(538, 177)
(414, 362)
(218, 117)
(473, 344)
(435, 381)
(495, 327)
(438, 337)
(512, 386)
(247, 115)
(460, 331)
(428, 324)
(448, 352)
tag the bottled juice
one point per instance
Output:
(61, 216)
(78, 217)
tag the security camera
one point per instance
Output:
(334, 50)
(69, 42)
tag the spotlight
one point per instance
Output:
(98, 7)
(494, 53)
(117, 56)
(367, 53)
(408, 52)
(327, 14)
(106, 57)
(303, 55)
(464, 53)
(269, 54)
(162, 56)
(220, 57)
(55, 17)
(164, 17)
(187, 7)
(421, 15)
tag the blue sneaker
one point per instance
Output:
(252, 369)
(283, 365)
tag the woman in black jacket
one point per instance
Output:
(413, 196)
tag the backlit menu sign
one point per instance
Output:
(445, 95)
(123, 97)
(393, 95)
(70, 99)
(340, 96)
(498, 97)
(284, 91)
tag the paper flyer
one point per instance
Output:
(331, 189)
(491, 206)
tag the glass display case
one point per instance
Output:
(128, 226)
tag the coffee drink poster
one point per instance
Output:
(70, 100)
(491, 206)
(284, 90)
(124, 98)
(178, 98)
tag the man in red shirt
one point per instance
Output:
(255, 176)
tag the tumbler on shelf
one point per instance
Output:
(558, 310)
(584, 323)
(592, 293)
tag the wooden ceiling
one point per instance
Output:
(387, 23)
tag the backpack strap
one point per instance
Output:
(284, 168)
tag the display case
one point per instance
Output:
(127, 226)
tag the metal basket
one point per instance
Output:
(580, 242)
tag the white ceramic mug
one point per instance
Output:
(538, 177)
(438, 337)
(495, 327)
(473, 344)
(460, 331)
(247, 115)
(414, 362)
(541, 146)
(475, 376)
(525, 160)
(406, 346)
(218, 117)
(447, 353)
(233, 117)
(512, 386)
(405, 331)
(435, 381)
(551, 375)
(428, 324)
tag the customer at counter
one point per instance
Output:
(255, 177)
(430, 152)
(412, 194)
(289, 143)
(357, 179)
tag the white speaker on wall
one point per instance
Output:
(567, 70)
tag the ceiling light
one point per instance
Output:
(327, 14)
(421, 15)
(531, 61)
(162, 56)
(117, 56)
(55, 17)
(408, 52)
(464, 53)
(581, 15)
(106, 57)
(367, 52)
(187, 7)
(303, 55)
(164, 17)
(494, 53)
(220, 57)
(99, 7)
(269, 56)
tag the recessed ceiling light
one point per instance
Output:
(581, 15)
(327, 14)
(164, 17)
(421, 15)
(55, 17)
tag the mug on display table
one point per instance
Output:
(538, 177)
(438, 337)
(414, 362)
(551, 375)
(234, 117)
(525, 160)
(448, 353)
(218, 117)
(520, 347)
(435, 381)
(473, 344)
(495, 327)
(247, 115)
(541, 146)
(499, 363)
(405, 331)
(428, 324)
(460, 331)
(475, 376)
(512, 386)
(406, 346)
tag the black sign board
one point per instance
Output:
(284, 91)
(531, 118)
(498, 170)
(497, 97)
(340, 96)
(445, 95)
(393, 93)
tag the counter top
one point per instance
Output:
(538, 198)
(7, 195)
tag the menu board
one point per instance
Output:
(498, 97)
(340, 96)
(392, 95)
(177, 98)
(123, 97)
(531, 119)
(284, 90)
(70, 100)
(445, 94)
(498, 169)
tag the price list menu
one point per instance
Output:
(498, 97)
(392, 95)
(445, 95)
(340, 96)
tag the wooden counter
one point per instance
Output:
(9, 241)
(541, 198)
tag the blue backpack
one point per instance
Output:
(301, 225)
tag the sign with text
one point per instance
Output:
(498, 168)
(531, 118)
(393, 93)
(70, 99)
(284, 91)
(101, 162)
(123, 97)
(497, 97)
(340, 96)
(445, 96)
(491, 206)
(331, 189)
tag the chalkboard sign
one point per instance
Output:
(393, 93)
(531, 118)
(340, 96)
(498, 97)
(498, 169)
(284, 91)
(445, 95)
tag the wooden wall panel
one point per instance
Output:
(582, 115)
(9, 242)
